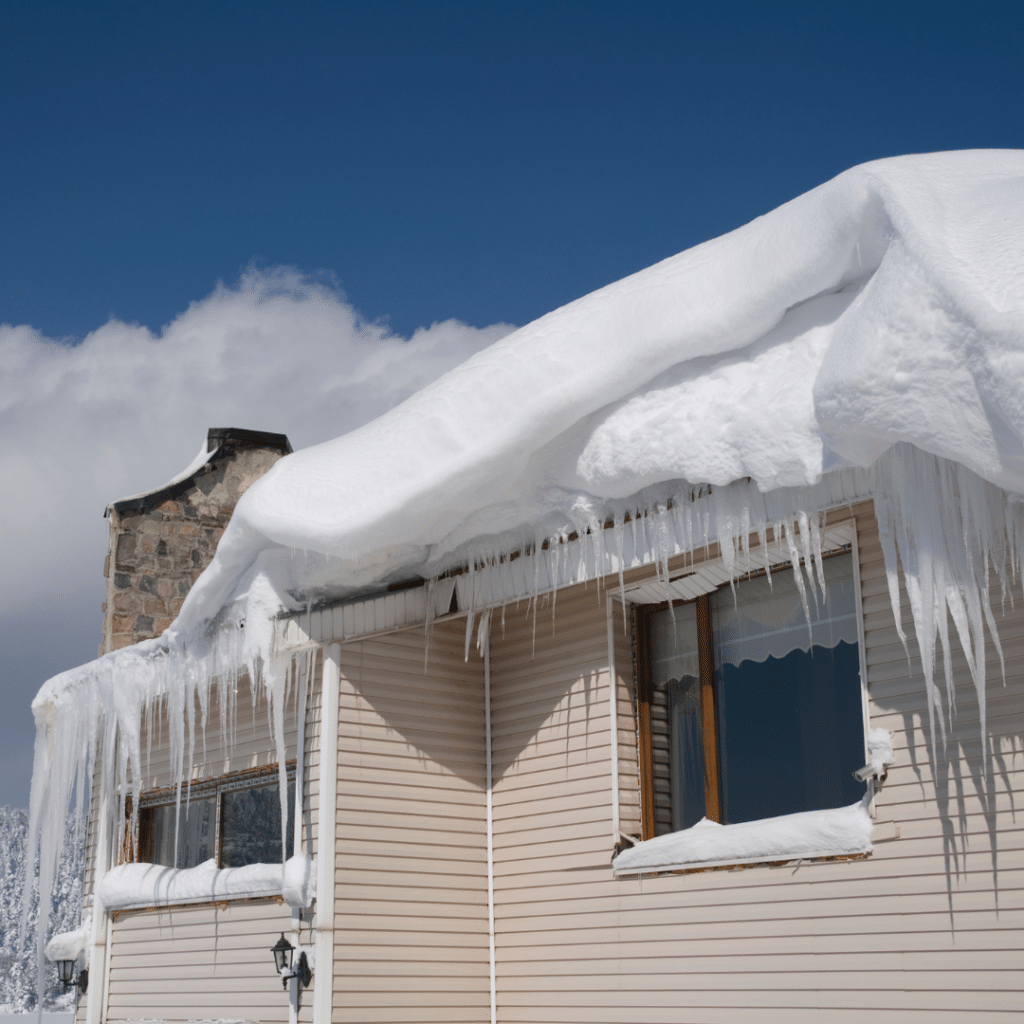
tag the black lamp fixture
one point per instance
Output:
(283, 952)
(66, 974)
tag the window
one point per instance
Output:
(744, 713)
(235, 820)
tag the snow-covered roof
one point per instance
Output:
(884, 306)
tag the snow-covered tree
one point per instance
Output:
(17, 958)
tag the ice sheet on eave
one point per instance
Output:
(886, 305)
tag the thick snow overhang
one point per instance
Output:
(884, 307)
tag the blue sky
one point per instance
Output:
(417, 162)
(486, 161)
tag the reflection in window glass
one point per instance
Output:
(196, 833)
(251, 826)
(677, 749)
(788, 700)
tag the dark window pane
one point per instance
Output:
(790, 719)
(251, 826)
(790, 733)
(196, 825)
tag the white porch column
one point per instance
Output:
(323, 992)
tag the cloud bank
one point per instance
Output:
(126, 409)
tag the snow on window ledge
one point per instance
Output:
(805, 835)
(132, 886)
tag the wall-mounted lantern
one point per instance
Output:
(283, 952)
(66, 974)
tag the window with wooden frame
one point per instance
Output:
(234, 820)
(750, 702)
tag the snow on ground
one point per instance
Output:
(46, 1018)
(69, 1017)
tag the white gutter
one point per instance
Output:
(323, 993)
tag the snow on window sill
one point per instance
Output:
(133, 886)
(841, 831)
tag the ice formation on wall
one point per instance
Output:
(865, 338)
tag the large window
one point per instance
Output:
(745, 712)
(235, 820)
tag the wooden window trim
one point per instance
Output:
(642, 633)
(708, 714)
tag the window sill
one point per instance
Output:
(137, 886)
(842, 831)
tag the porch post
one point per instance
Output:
(323, 992)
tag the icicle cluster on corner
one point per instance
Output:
(96, 725)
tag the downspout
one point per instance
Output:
(297, 848)
(613, 718)
(96, 994)
(323, 993)
(486, 644)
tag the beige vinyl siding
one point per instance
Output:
(188, 963)
(626, 719)
(411, 943)
(929, 928)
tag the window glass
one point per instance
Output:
(251, 826)
(787, 700)
(196, 832)
(234, 820)
(677, 749)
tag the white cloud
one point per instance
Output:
(126, 409)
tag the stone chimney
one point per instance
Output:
(162, 540)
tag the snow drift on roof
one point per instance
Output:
(886, 305)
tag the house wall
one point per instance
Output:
(210, 961)
(411, 940)
(929, 928)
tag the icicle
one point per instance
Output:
(472, 606)
(483, 632)
(949, 530)
(619, 532)
(794, 555)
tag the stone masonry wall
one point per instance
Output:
(160, 544)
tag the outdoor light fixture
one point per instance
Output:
(283, 952)
(66, 973)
